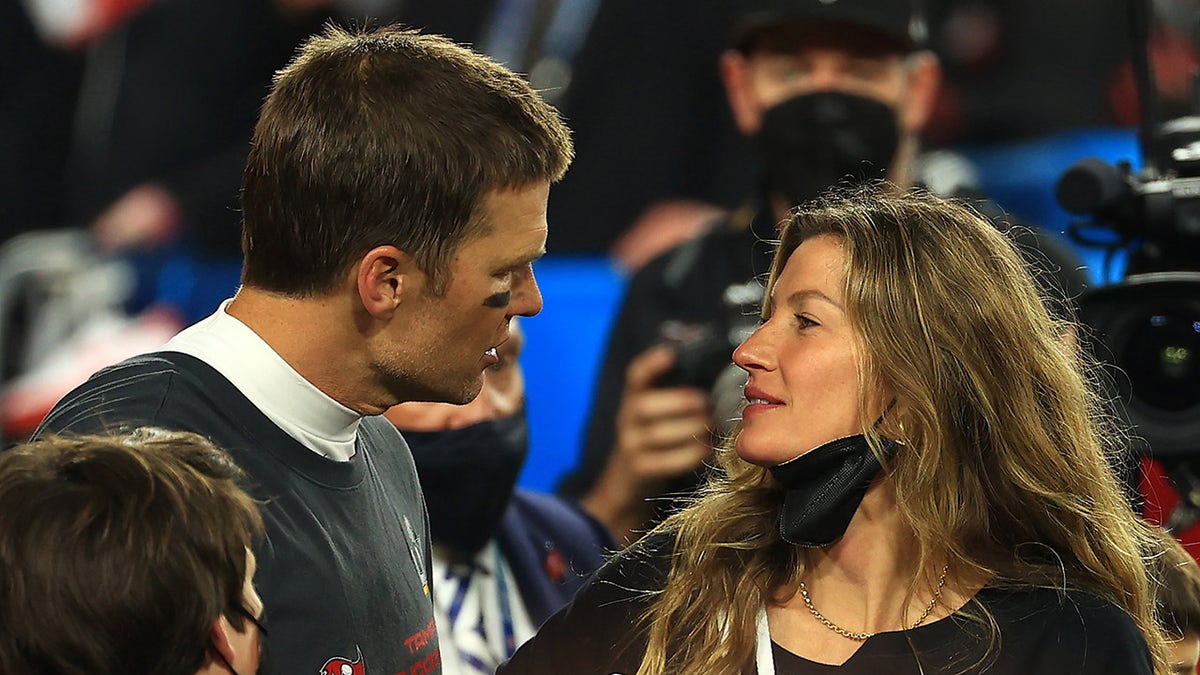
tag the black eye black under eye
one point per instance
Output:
(498, 300)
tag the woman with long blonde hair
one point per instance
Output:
(922, 481)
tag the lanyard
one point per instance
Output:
(764, 660)
(506, 615)
(480, 612)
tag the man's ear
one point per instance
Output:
(383, 276)
(924, 80)
(736, 76)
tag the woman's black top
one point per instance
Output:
(1039, 631)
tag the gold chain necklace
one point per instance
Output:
(860, 637)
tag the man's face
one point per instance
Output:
(802, 58)
(452, 338)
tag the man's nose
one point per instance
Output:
(526, 298)
(826, 77)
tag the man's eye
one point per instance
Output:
(867, 69)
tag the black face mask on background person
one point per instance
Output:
(468, 476)
(811, 141)
(823, 488)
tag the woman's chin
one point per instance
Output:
(754, 455)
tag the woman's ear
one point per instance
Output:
(891, 419)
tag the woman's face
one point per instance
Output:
(802, 389)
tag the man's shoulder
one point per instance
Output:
(142, 390)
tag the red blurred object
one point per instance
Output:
(73, 23)
(1161, 499)
(104, 341)
(1174, 61)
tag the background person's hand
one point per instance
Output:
(145, 217)
(661, 434)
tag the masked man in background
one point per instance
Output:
(504, 558)
(829, 92)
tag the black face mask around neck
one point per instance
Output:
(823, 488)
(468, 476)
(812, 141)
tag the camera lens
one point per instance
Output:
(1162, 358)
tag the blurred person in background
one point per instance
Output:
(828, 92)
(133, 117)
(158, 123)
(643, 85)
(504, 558)
(127, 554)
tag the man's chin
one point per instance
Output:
(468, 393)
(465, 393)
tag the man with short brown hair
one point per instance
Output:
(394, 202)
(126, 555)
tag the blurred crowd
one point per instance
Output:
(132, 118)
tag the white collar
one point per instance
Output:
(293, 403)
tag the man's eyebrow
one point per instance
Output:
(524, 260)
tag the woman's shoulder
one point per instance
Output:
(1071, 628)
(645, 564)
(1064, 606)
(601, 631)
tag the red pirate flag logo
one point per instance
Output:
(342, 666)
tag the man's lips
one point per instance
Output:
(491, 355)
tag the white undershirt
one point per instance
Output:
(294, 404)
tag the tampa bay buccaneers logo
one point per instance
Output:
(340, 666)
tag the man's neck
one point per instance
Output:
(317, 337)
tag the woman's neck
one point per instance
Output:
(861, 584)
(865, 576)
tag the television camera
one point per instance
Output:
(1148, 324)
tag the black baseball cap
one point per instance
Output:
(896, 20)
